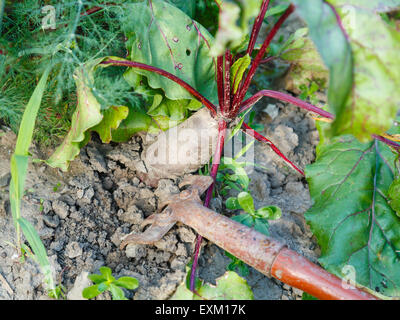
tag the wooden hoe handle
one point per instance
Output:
(263, 253)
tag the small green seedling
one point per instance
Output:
(257, 219)
(56, 187)
(58, 293)
(237, 264)
(41, 208)
(232, 175)
(309, 92)
(106, 282)
(252, 124)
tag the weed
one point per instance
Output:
(56, 187)
(19, 166)
(308, 92)
(237, 265)
(58, 292)
(106, 282)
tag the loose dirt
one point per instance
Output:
(81, 215)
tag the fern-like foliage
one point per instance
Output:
(84, 30)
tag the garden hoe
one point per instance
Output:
(263, 253)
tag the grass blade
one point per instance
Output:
(28, 119)
(19, 160)
(39, 250)
(19, 166)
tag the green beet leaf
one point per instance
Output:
(352, 217)
(187, 6)
(112, 123)
(394, 195)
(374, 98)
(306, 63)
(135, 122)
(165, 112)
(87, 116)
(174, 110)
(230, 286)
(333, 47)
(112, 119)
(163, 36)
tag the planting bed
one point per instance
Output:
(137, 66)
(81, 215)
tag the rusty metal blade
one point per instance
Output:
(161, 223)
(152, 234)
(265, 254)
(196, 182)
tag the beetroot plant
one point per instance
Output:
(177, 67)
(176, 57)
(196, 87)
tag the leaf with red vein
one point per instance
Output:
(162, 36)
(284, 97)
(165, 74)
(351, 217)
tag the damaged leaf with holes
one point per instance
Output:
(163, 36)
(158, 34)
(306, 63)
